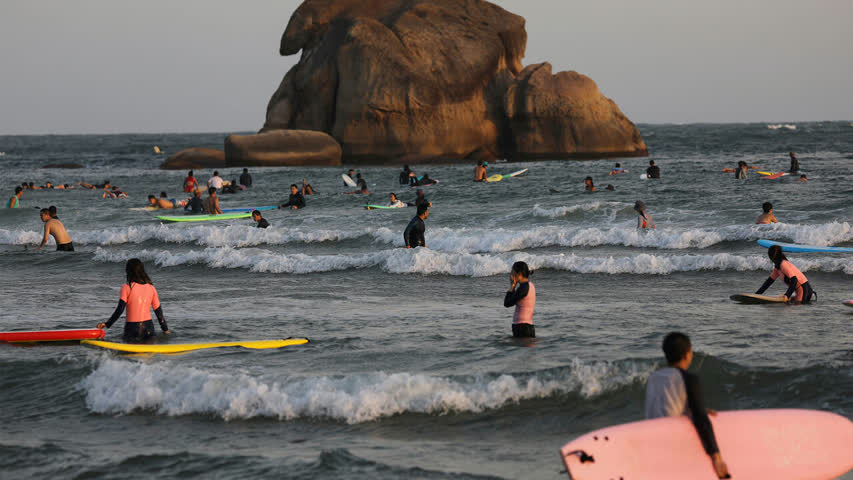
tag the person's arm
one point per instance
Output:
(702, 424)
(216, 206)
(765, 285)
(792, 287)
(512, 297)
(650, 222)
(117, 313)
(46, 236)
(773, 219)
(406, 234)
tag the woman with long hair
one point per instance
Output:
(798, 284)
(522, 296)
(139, 296)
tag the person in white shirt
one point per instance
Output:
(395, 202)
(215, 181)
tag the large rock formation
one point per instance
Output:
(419, 80)
(282, 148)
(195, 158)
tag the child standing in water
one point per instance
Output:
(139, 296)
(521, 295)
(644, 220)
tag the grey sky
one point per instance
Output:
(106, 66)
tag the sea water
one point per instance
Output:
(411, 371)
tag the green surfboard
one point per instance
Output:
(202, 218)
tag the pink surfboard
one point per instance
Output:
(849, 303)
(755, 444)
(776, 175)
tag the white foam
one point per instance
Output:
(558, 212)
(121, 387)
(782, 125)
(427, 262)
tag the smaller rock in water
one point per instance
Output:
(196, 157)
(282, 148)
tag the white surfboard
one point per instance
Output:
(643, 176)
(518, 173)
(755, 444)
(348, 180)
(754, 299)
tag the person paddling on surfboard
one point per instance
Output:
(139, 296)
(617, 170)
(522, 296)
(394, 202)
(413, 236)
(480, 171)
(791, 275)
(767, 216)
(672, 392)
(644, 220)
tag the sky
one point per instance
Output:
(113, 66)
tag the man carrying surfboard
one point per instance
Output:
(672, 391)
(414, 233)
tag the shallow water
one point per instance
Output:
(411, 371)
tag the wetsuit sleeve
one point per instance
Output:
(300, 201)
(698, 414)
(765, 286)
(793, 283)
(117, 313)
(420, 229)
(161, 318)
(406, 234)
(514, 296)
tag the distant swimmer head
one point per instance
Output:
(521, 268)
(485, 164)
(215, 173)
(32, 184)
(618, 165)
(676, 347)
(767, 207)
(163, 195)
(245, 170)
(293, 188)
(640, 206)
(190, 173)
(152, 199)
(610, 188)
(135, 271)
(652, 163)
(776, 255)
(256, 215)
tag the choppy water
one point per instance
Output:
(411, 372)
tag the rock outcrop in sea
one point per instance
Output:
(195, 158)
(414, 81)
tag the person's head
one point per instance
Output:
(803, 177)
(350, 172)
(677, 348)
(423, 211)
(51, 210)
(66, 185)
(24, 185)
(485, 163)
(48, 184)
(152, 199)
(215, 173)
(639, 206)
(393, 197)
(19, 191)
(776, 255)
(256, 215)
(358, 175)
(791, 154)
(190, 173)
(212, 191)
(520, 271)
(588, 181)
(767, 207)
(44, 214)
(652, 163)
(197, 193)
(618, 165)
(245, 170)
(406, 168)
(293, 188)
(163, 195)
(479, 163)
(106, 183)
(135, 271)
(610, 188)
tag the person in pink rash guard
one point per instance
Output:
(521, 295)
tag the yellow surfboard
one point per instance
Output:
(495, 178)
(188, 347)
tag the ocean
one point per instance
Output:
(411, 371)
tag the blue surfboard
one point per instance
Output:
(796, 248)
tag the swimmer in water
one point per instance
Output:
(394, 202)
(160, 202)
(138, 296)
(15, 201)
(413, 236)
(195, 204)
(307, 189)
(767, 216)
(262, 222)
(190, 183)
(480, 171)
(211, 203)
(588, 185)
(617, 170)
(803, 178)
(644, 220)
(295, 201)
(799, 288)
(54, 228)
(522, 296)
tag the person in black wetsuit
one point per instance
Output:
(741, 170)
(405, 175)
(245, 178)
(262, 222)
(196, 204)
(672, 392)
(295, 201)
(414, 233)
(360, 183)
(795, 164)
(653, 171)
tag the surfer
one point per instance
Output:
(262, 222)
(307, 189)
(741, 171)
(644, 220)
(405, 175)
(160, 202)
(414, 233)
(190, 183)
(480, 171)
(211, 204)
(617, 170)
(232, 187)
(245, 178)
(196, 204)
(394, 202)
(672, 392)
(139, 296)
(295, 201)
(795, 164)
(350, 174)
(653, 171)
(521, 295)
(15, 201)
(803, 178)
(215, 181)
(360, 183)
(424, 181)
(53, 227)
(588, 185)
(791, 275)
(610, 188)
(767, 216)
